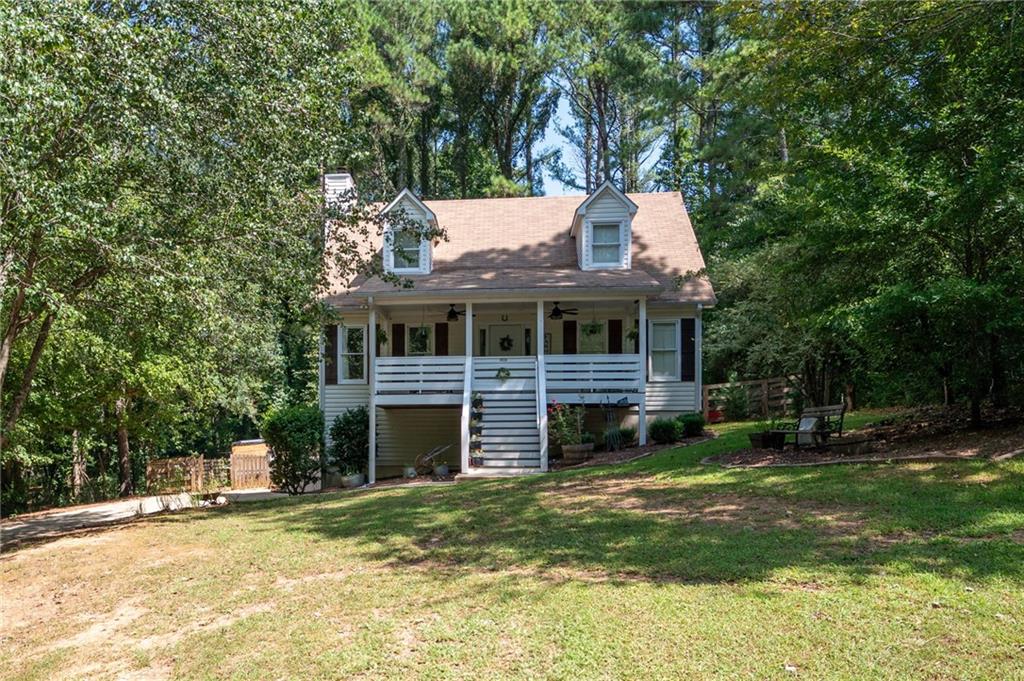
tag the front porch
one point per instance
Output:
(515, 358)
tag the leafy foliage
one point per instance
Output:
(691, 425)
(664, 431)
(295, 436)
(350, 440)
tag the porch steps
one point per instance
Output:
(510, 441)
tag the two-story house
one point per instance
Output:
(593, 300)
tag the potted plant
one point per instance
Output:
(565, 426)
(350, 439)
(441, 470)
(476, 427)
(477, 402)
(503, 374)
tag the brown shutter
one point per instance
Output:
(569, 337)
(636, 336)
(441, 339)
(398, 340)
(376, 339)
(615, 336)
(688, 357)
(331, 354)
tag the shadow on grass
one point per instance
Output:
(668, 519)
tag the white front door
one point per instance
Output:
(504, 340)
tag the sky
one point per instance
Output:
(552, 138)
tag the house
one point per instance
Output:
(592, 300)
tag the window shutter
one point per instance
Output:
(569, 337)
(331, 354)
(636, 338)
(398, 340)
(376, 339)
(688, 356)
(441, 339)
(615, 336)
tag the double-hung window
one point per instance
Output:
(664, 351)
(352, 354)
(406, 250)
(606, 249)
(421, 340)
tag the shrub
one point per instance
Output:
(627, 435)
(618, 438)
(295, 436)
(692, 425)
(736, 406)
(350, 440)
(664, 431)
(565, 424)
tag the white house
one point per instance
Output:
(590, 300)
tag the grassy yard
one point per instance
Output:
(657, 569)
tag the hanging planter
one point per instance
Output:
(591, 328)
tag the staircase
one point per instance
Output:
(510, 440)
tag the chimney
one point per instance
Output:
(336, 184)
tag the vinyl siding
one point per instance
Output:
(338, 398)
(402, 434)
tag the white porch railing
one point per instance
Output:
(397, 375)
(593, 374)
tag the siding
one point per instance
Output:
(671, 397)
(338, 398)
(404, 433)
(607, 208)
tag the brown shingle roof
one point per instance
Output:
(524, 244)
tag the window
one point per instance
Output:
(592, 338)
(406, 250)
(352, 354)
(665, 351)
(421, 340)
(607, 246)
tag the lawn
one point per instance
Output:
(661, 568)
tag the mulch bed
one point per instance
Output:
(629, 454)
(925, 434)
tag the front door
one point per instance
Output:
(504, 340)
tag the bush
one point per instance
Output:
(350, 441)
(736, 399)
(627, 435)
(618, 438)
(295, 436)
(664, 431)
(692, 425)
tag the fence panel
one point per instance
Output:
(765, 397)
(250, 465)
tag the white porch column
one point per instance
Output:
(641, 426)
(467, 390)
(371, 340)
(542, 398)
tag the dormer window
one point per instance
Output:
(603, 230)
(606, 244)
(405, 249)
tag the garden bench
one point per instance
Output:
(816, 425)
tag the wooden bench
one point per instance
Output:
(817, 424)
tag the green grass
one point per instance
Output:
(661, 568)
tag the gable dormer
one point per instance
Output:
(603, 229)
(405, 249)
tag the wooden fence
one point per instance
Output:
(250, 465)
(765, 397)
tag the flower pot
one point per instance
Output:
(476, 430)
(476, 461)
(577, 453)
(757, 440)
(410, 472)
(354, 480)
(478, 403)
(774, 440)
(441, 470)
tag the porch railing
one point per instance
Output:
(396, 375)
(593, 373)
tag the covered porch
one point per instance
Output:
(523, 355)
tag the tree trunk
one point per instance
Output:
(588, 153)
(124, 457)
(77, 466)
(783, 146)
(424, 154)
(1000, 395)
(26, 382)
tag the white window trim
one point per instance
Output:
(342, 353)
(423, 267)
(625, 257)
(676, 371)
(408, 340)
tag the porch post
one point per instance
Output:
(371, 342)
(467, 389)
(641, 426)
(542, 398)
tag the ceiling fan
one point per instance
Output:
(453, 314)
(557, 312)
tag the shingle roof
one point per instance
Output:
(524, 244)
